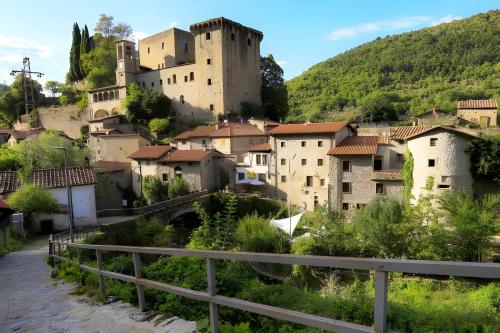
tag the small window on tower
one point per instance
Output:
(185, 78)
(161, 82)
(168, 81)
(162, 45)
(208, 61)
(232, 36)
(207, 36)
(152, 84)
(149, 50)
(174, 79)
(191, 76)
(209, 82)
(181, 99)
(249, 42)
(211, 107)
(432, 163)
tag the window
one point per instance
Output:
(249, 42)
(258, 159)
(431, 163)
(283, 161)
(185, 78)
(346, 166)
(191, 76)
(208, 61)
(241, 175)
(209, 82)
(163, 65)
(303, 143)
(303, 161)
(181, 99)
(211, 107)
(379, 188)
(164, 177)
(203, 142)
(433, 141)
(261, 177)
(309, 181)
(283, 179)
(185, 46)
(282, 144)
(184, 142)
(320, 143)
(222, 141)
(207, 36)
(98, 152)
(232, 36)
(162, 45)
(322, 182)
(320, 161)
(152, 84)
(168, 81)
(377, 163)
(445, 179)
(161, 82)
(174, 79)
(345, 206)
(399, 157)
(444, 186)
(158, 66)
(143, 84)
(148, 50)
(316, 201)
(346, 187)
(264, 159)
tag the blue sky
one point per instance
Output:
(298, 33)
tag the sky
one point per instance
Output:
(299, 34)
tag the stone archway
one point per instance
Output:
(101, 113)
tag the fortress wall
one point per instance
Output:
(66, 118)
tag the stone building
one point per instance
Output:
(113, 145)
(206, 72)
(483, 112)
(300, 164)
(113, 181)
(256, 166)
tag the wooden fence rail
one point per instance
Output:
(381, 267)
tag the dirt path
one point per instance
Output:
(30, 301)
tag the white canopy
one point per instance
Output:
(287, 223)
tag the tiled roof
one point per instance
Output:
(226, 130)
(151, 152)
(193, 155)
(357, 145)
(97, 120)
(111, 166)
(3, 205)
(53, 178)
(21, 135)
(198, 132)
(261, 147)
(477, 104)
(105, 131)
(409, 132)
(308, 128)
(8, 181)
(5, 130)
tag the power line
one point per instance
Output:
(29, 95)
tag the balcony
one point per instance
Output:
(388, 174)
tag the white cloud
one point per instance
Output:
(136, 36)
(387, 25)
(14, 49)
(282, 62)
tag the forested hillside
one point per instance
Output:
(411, 72)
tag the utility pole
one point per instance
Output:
(70, 194)
(29, 95)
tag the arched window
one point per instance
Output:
(94, 97)
(99, 98)
(117, 95)
(249, 42)
(191, 76)
(207, 36)
(162, 45)
(174, 79)
(106, 96)
(181, 99)
(111, 95)
(232, 36)
(178, 171)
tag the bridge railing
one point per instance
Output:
(381, 267)
(170, 203)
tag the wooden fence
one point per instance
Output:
(381, 267)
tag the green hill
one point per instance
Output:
(410, 72)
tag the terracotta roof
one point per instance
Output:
(3, 205)
(105, 131)
(308, 128)
(53, 178)
(5, 130)
(357, 145)
(111, 166)
(193, 155)
(261, 147)
(96, 120)
(8, 181)
(198, 132)
(150, 152)
(21, 135)
(226, 130)
(477, 104)
(410, 132)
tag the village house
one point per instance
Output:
(113, 182)
(299, 162)
(429, 117)
(81, 181)
(483, 112)
(207, 72)
(113, 145)
(254, 173)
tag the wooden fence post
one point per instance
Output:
(82, 279)
(51, 251)
(99, 267)
(380, 315)
(140, 289)
(212, 291)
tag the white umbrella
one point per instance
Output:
(256, 182)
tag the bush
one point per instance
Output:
(177, 188)
(256, 234)
(154, 190)
(159, 125)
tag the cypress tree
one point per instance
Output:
(85, 47)
(74, 56)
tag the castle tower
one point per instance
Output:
(127, 65)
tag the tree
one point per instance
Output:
(380, 106)
(274, 93)
(85, 47)
(485, 157)
(32, 200)
(53, 86)
(177, 188)
(8, 159)
(159, 125)
(122, 31)
(471, 224)
(153, 189)
(74, 55)
(104, 26)
(143, 104)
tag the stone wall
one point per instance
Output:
(66, 118)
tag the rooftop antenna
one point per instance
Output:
(29, 96)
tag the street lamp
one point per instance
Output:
(70, 196)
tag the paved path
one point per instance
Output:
(30, 301)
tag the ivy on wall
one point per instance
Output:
(408, 175)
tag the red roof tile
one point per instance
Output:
(477, 104)
(151, 152)
(111, 166)
(308, 128)
(226, 130)
(198, 132)
(261, 147)
(3, 205)
(8, 181)
(53, 178)
(357, 145)
(193, 155)
(409, 132)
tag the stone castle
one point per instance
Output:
(207, 72)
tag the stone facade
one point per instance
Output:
(207, 72)
(115, 147)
